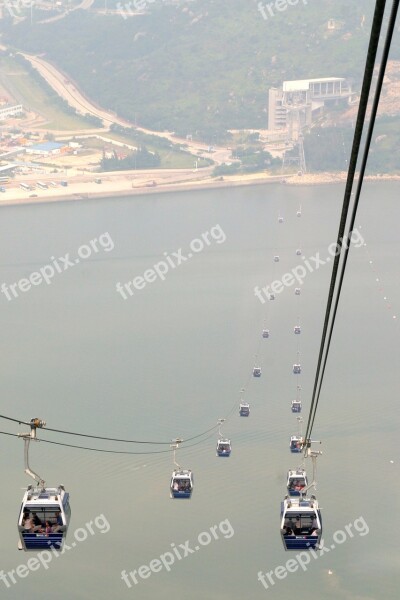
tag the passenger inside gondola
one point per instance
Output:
(303, 524)
(297, 485)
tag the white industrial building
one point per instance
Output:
(10, 111)
(296, 103)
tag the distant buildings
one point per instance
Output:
(45, 149)
(297, 103)
(10, 111)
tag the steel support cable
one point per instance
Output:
(365, 91)
(108, 439)
(374, 110)
(104, 451)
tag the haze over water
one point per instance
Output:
(172, 359)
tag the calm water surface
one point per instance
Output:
(171, 360)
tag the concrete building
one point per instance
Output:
(297, 103)
(277, 113)
(10, 111)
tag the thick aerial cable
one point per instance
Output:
(108, 439)
(361, 116)
(107, 451)
(381, 75)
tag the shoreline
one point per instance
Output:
(117, 188)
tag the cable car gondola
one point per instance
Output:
(181, 484)
(280, 219)
(265, 333)
(296, 482)
(44, 518)
(297, 329)
(45, 512)
(181, 479)
(297, 291)
(224, 447)
(244, 409)
(276, 258)
(298, 252)
(297, 369)
(296, 406)
(301, 523)
(272, 296)
(257, 372)
(296, 443)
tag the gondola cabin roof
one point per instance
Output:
(44, 497)
(224, 441)
(182, 474)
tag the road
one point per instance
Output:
(57, 80)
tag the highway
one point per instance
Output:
(67, 90)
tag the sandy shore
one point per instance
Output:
(128, 183)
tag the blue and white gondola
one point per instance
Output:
(301, 523)
(224, 447)
(296, 406)
(181, 484)
(49, 505)
(244, 409)
(296, 482)
(296, 443)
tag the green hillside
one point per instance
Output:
(202, 66)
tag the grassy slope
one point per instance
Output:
(34, 98)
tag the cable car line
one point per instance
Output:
(106, 451)
(361, 116)
(368, 140)
(107, 439)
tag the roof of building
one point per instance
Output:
(303, 85)
(47, 146)
(7, 168)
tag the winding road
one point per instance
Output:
(67, 90)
